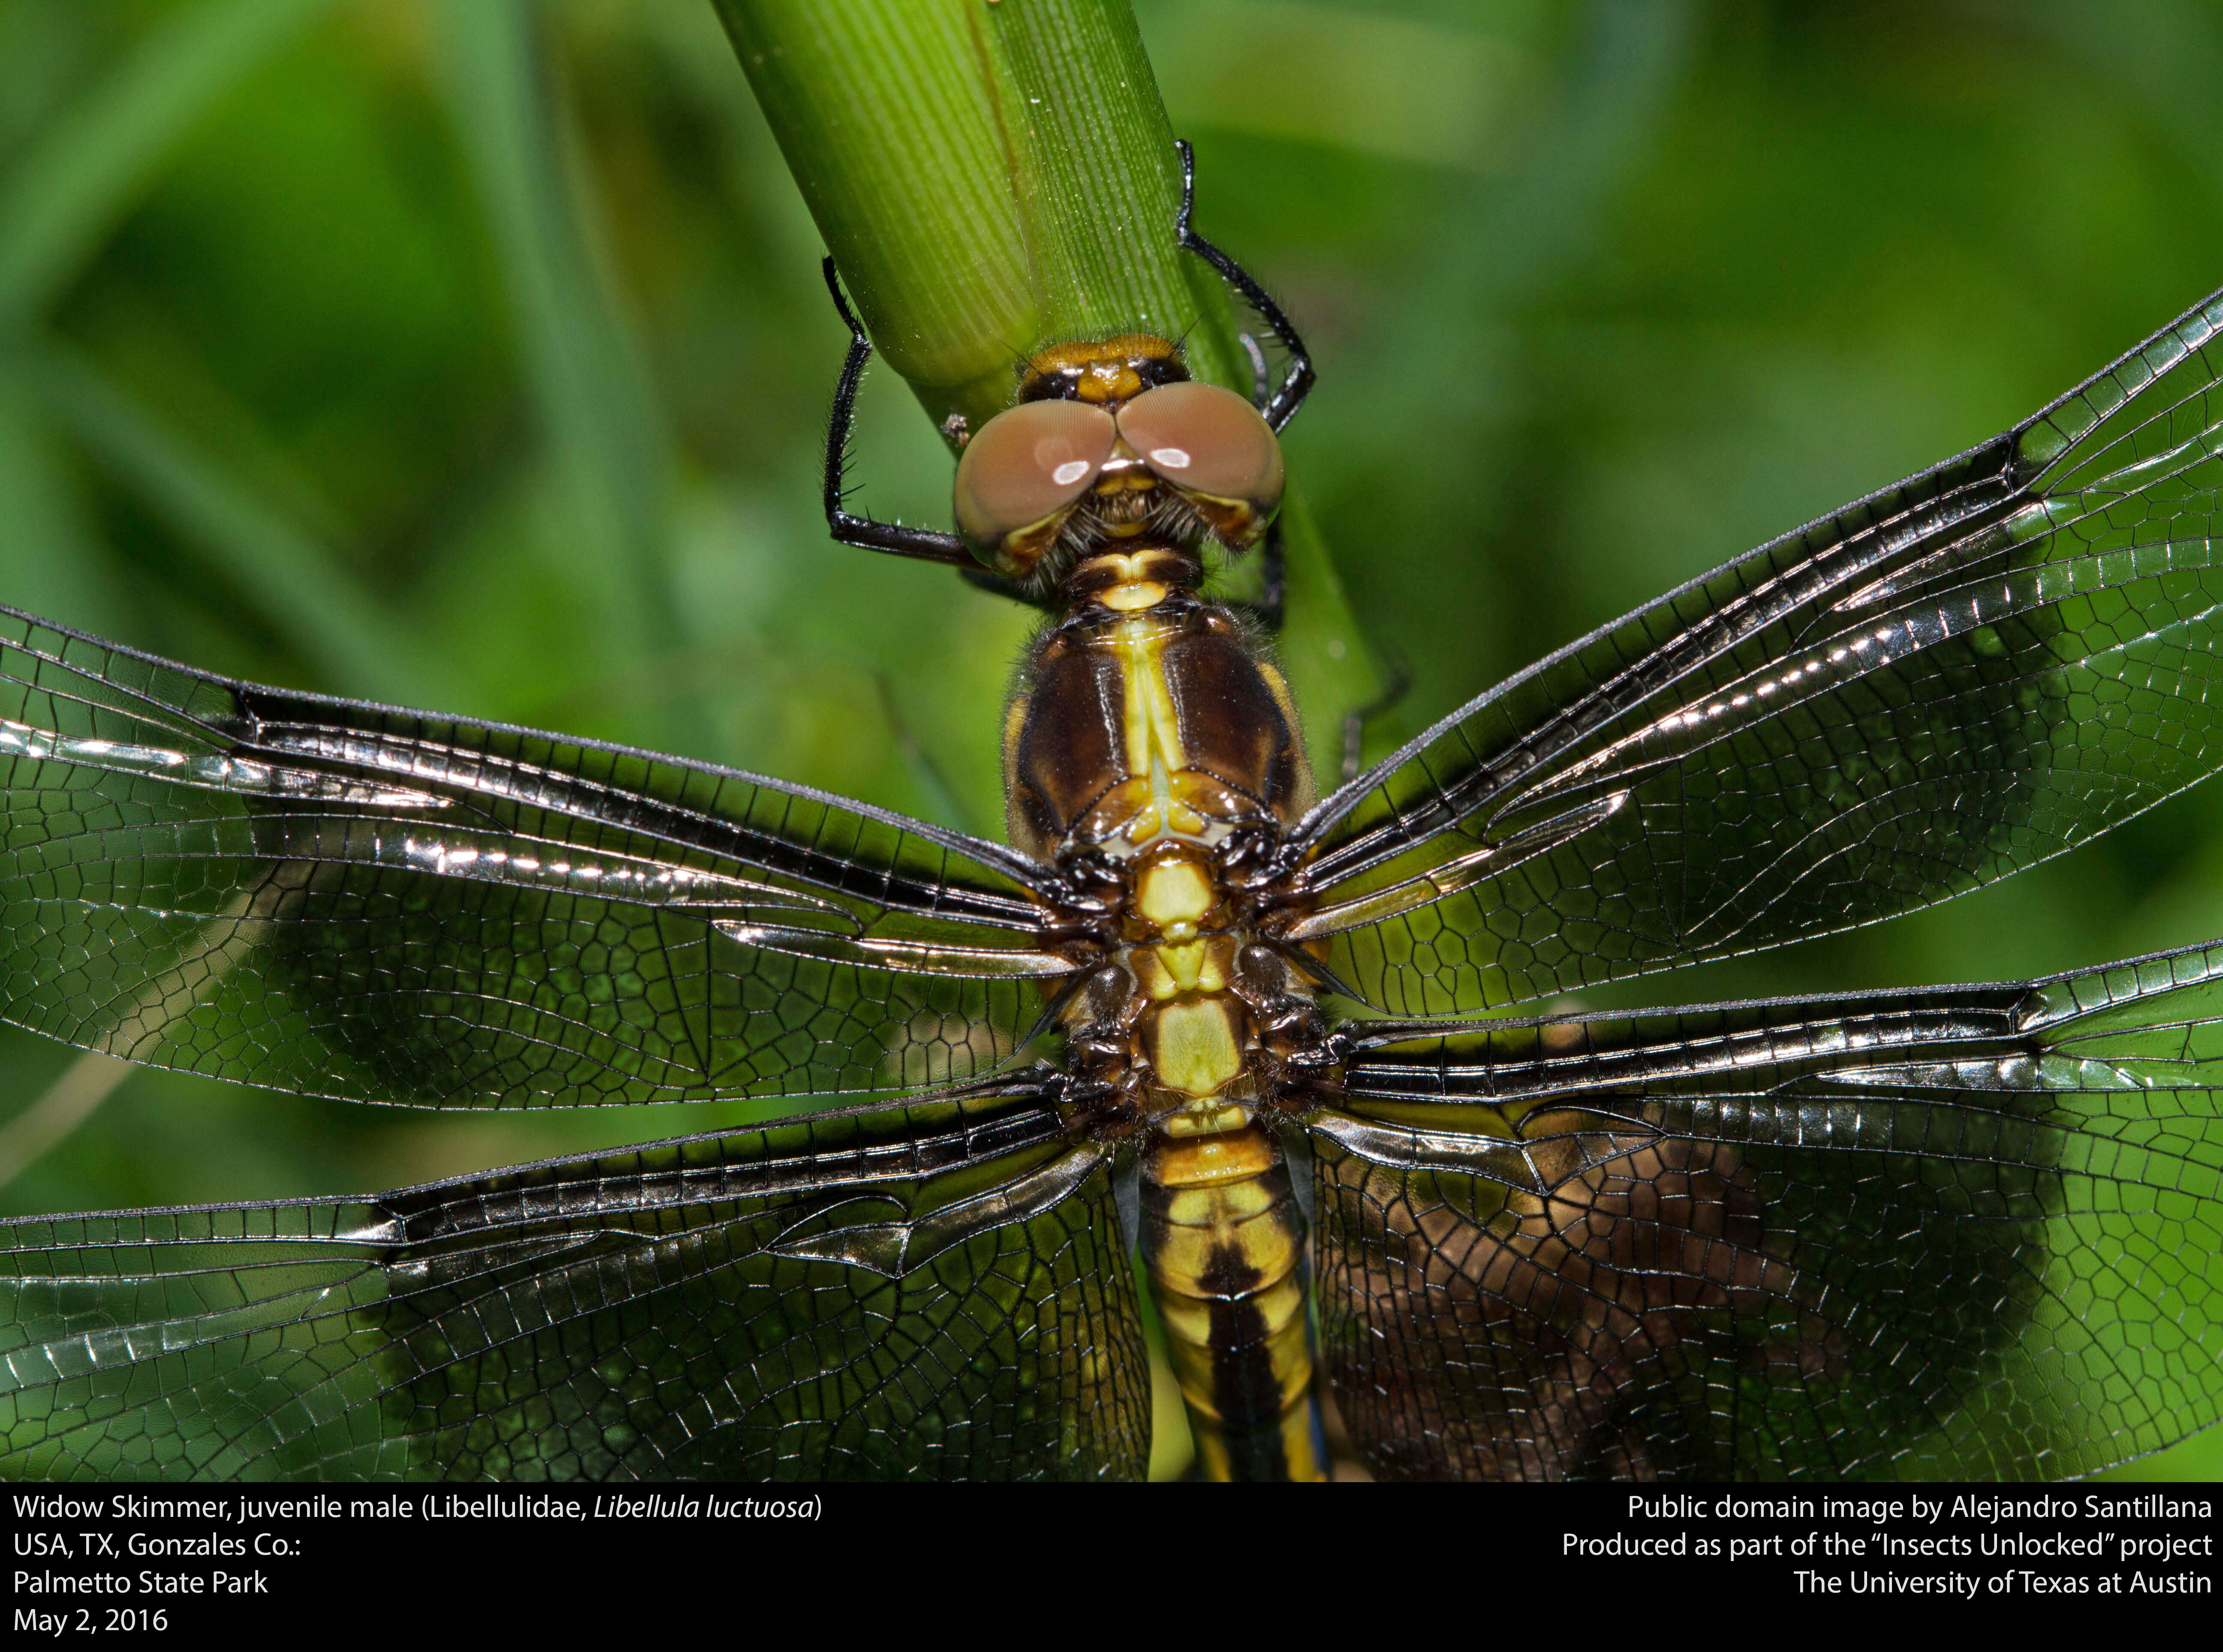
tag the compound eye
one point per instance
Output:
(1025, 468)
(1210, 444)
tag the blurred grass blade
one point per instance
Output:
(2168, 53)
(1635, 55)
(1330, 664)
(586, 374)
(51, 560)
(62, 197)
(68, 1102)
(298, 585)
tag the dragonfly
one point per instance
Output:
(1281, 1057)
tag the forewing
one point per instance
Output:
(1940, 684)
(1972, 1232)
(930, 1292)
(350, 900)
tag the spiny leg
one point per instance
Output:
(892, 537)
(1279, 408)
(1269, 608)
(1282, 405)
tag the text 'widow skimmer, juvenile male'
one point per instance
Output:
(1192, 1009)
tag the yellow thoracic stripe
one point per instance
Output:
(1150, 722)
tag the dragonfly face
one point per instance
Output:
(1111, 445)
(1192, 1010)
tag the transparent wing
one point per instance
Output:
(350, 900)
(1972, 1232)
(933, 1291)
(1940, 684)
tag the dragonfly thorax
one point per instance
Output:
(1153, 747)
(1130, 726)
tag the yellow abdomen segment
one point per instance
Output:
(1223, 1242)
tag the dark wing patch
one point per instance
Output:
(1969, 1233)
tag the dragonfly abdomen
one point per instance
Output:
(1225, 1244)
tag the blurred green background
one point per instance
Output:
(473, 354)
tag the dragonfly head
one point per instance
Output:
(1112, 447)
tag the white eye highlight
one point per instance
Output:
(1025, 467)
(1211, 444)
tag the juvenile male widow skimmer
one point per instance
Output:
(1965, 1231)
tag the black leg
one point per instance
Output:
(1269, 607)
(1354, 723)
(863, 532)
(1279, 408)
(1283, 405)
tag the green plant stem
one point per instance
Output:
(587, 384)
(994, 175)
(988, 177)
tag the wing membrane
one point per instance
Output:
(1939, 684)
(1971, 1232)
(350, 900)
(936, 1291)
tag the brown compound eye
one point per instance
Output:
(1215, 447)
(1022, 472)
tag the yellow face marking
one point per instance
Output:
(1106, 369)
